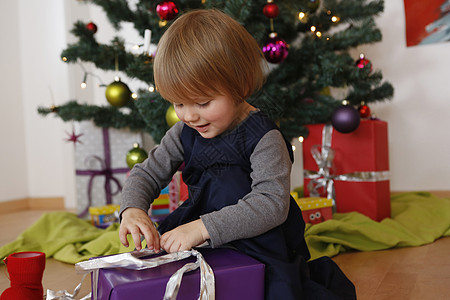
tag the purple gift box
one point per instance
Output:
(237, 276)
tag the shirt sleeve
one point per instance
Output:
(267, 205)
(148, 178)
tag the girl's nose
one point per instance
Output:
(190, 114)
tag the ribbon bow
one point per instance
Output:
(135, 260)
(324, 179)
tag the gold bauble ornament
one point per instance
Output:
(326, 91)
(136, 155)
(117, 93)
(171, 116)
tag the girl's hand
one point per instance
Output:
(135, 221)
(184, 237)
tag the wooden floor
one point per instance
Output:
(408, 273)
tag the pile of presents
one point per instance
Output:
(169, 199)
(342, 173)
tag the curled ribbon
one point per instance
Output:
(105, 170)
(324, 179)
(134, 260)
(65, 295)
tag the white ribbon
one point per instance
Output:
(133, 260)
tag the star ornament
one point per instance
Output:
(73, 137)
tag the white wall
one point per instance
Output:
(42, 37)
(34, 157)
(419, 115)
(13, 159)
(36, 161)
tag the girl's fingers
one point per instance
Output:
(123, 236)
(136, 239)
(152, 238)
(166, 242)
(156, 243)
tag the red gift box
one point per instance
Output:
(358, 170)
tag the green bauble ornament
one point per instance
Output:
(171, 116)
(136, 155)
(117, 93)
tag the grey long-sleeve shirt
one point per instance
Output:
(264, 208)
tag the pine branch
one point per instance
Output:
(102, 116)
(293, 94)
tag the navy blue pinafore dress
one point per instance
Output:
(217, 173)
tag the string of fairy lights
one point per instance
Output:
(275, 48)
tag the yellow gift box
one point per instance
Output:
(104, 214)
(315, 209)
(313, 203)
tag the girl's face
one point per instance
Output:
(211, 117)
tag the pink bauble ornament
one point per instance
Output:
(167, 10)
(275, 50)
(362, 62)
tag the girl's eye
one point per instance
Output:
(178, 105)
(204, 104)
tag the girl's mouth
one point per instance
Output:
(202, 128)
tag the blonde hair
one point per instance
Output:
(206, 53)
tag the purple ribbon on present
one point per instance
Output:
(105, 170)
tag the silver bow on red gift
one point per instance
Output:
(321, 179)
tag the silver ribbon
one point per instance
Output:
(132, 260)
(206, 279)
(65, 295)
(323, 156)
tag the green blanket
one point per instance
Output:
(65, 237)
(417, 219)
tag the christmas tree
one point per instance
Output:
(306, 42)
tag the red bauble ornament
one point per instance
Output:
(362, 62)
(91, 27)
(271, 10)
(167, 10)
(275, 50)
(364, 111)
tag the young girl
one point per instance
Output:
(237, 163)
